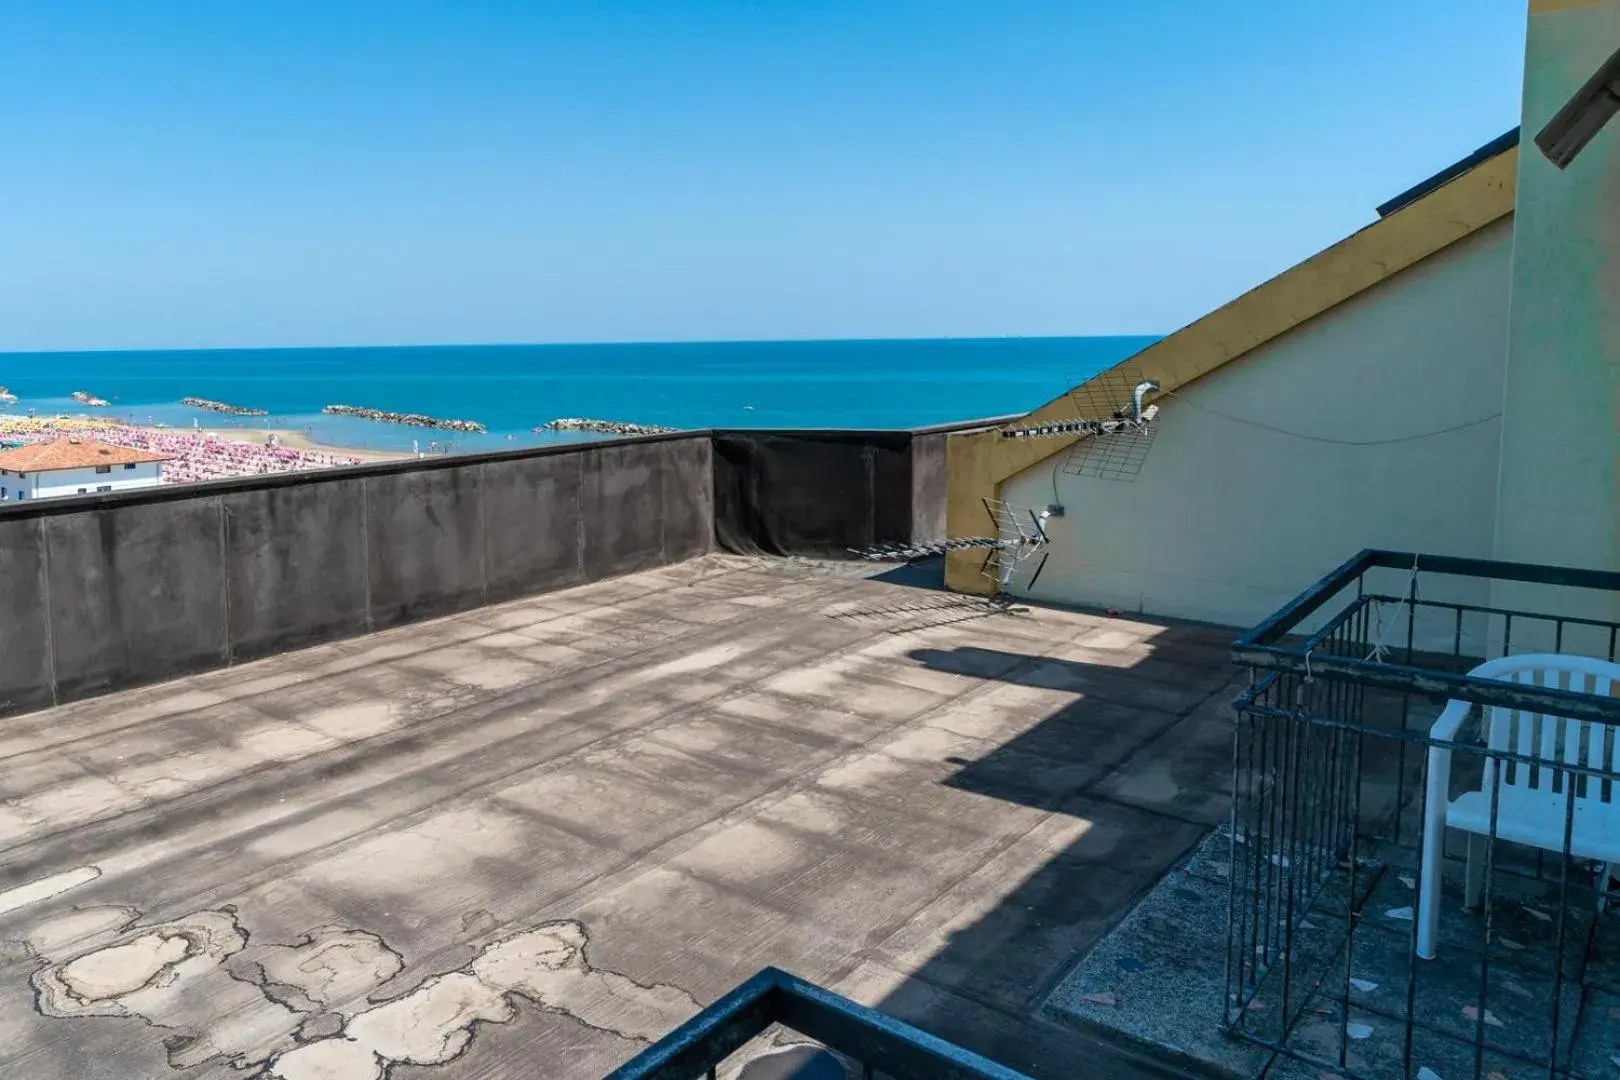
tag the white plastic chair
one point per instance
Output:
(1531, 811)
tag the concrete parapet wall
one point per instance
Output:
(928, 486)
(109, 591)
(811, 493)
(822, 493)
(114, 591)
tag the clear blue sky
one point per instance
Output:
(224, 173)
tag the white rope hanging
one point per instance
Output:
(1380, 649)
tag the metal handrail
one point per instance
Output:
(1260, 648)
(878, 1041)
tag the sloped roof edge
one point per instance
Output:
(1501, 144)
(1429, 223)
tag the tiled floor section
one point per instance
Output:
(523, 841)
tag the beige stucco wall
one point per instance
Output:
(1559, 494)
(1227, 521)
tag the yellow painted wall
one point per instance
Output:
(978, 463)
(1540, 7)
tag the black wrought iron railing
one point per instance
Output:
(1387, 630)
(871, 1042)
(1424, 847)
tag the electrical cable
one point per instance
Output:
(1057, 465)
(1325, 439)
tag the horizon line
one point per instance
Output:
(568, 344)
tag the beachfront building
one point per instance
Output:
(75, 466)
(1442, 380)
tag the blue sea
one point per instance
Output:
(514, 388)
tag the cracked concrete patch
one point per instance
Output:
(431, 1025)
(325, 968)
(148, 960)
(100, 982)
(302, 1010)
(173, 976)
(434, 1023)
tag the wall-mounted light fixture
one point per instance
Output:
(1583, 116)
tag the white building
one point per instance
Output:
(75, 466)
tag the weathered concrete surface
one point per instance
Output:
(25, 660)
(523, 840)
(425, 535)
(295, 562)
(928, 485)
(532, 525)
(137, 594)
(622, 502)
(688, 511)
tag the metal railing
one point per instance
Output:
(875, 1043)
(1333, 750)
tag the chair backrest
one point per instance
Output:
(1554, 739)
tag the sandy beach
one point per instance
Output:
(196, 454)
(295, 440)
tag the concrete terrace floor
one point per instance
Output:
(525, 840)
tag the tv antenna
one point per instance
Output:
(1114, 423)
(1020, 536)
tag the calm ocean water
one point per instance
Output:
(513, 388)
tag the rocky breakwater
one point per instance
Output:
(410, 419)
(221, 407)
(88, 399)
(604, 427)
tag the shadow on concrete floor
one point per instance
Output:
(1111, 714)
(921, 574)
(1134, 771)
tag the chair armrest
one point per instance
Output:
(1450, 721)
